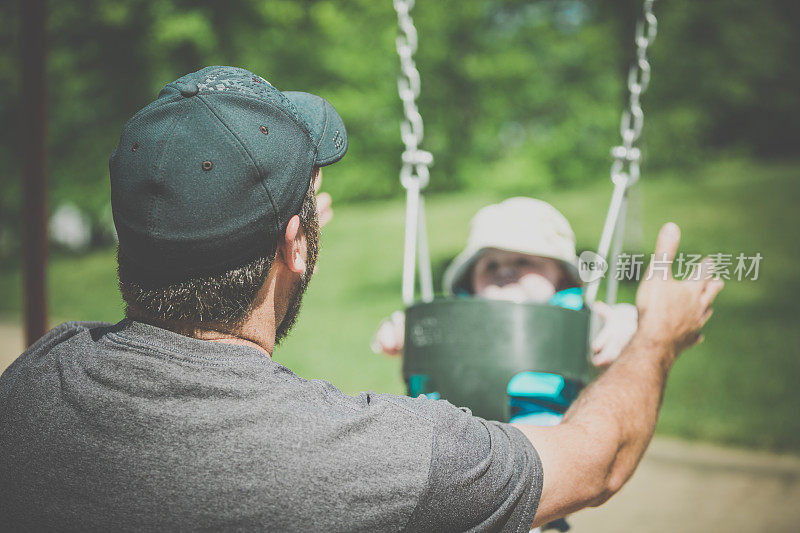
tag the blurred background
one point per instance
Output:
(519, 98)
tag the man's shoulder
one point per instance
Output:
(64, 332)
(422, 409)
(56, 336)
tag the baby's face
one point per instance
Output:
(502, 275)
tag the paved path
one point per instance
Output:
(680, 487)
(687, 487)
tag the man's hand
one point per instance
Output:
(673, 312)
(592, 453)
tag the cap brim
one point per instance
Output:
(327, 127)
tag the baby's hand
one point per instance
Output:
(390, 336)
(620, 323)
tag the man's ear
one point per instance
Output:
(293, 247)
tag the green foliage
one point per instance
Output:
(518, 96)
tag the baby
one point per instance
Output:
(523, 250)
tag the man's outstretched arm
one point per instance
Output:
(594, 451)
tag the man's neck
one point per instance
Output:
(257, 331)
(230, 338)
(246, 335)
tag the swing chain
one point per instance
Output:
(415, 161)
(633, 117)
(625, 168)
(414, 174)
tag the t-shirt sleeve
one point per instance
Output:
(484, 476)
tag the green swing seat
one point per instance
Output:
(466, 350)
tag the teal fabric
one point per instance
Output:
(206, 177)
(540, 398)
(532, 384)
(417, 386)
(568, 298)
(543, 418)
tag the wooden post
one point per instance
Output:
(33, 115)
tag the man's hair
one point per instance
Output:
(221, 301)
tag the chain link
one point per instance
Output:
(414, 174)
(415, 161)
(625, 168)
(627, 156)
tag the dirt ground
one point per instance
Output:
(686, 487)
(679, 486)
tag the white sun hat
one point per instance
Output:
(520, 224)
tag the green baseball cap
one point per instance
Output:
(207, 176)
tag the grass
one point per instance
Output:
(738, 387)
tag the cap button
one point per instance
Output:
(188, 89)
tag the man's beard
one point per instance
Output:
(311, 230)
(293, 308)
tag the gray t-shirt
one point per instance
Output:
(129, 426)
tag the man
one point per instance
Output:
(178, 418)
